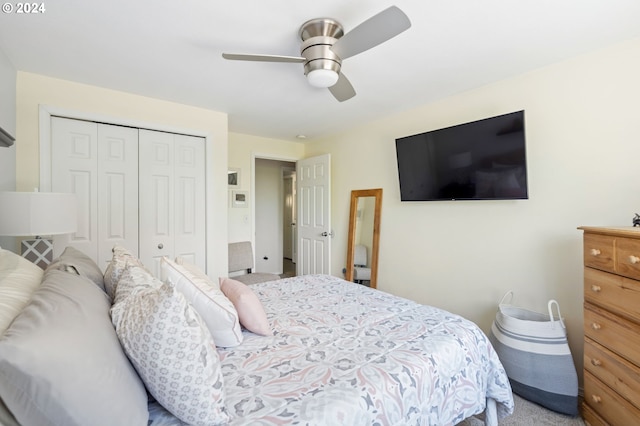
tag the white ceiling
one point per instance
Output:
(172, 50)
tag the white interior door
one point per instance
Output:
(172, 209)
(99, 163)
(132, 186)
(117, 190)
(314, 215)
(74, 169)
(189, 196)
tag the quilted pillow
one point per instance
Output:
(217, 312)
(19, 278)
(74, 261)
(172, 351)
(61, 362)
(250, 310)
(121, 257)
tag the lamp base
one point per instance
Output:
(38, 251)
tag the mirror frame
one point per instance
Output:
(355, 195)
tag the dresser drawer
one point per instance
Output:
(617, 294)
(599, 251)
(627, 257)
(609, 405)
(615, 333)
(615, 372)
(590, 417)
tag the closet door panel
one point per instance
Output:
(156, 197)
(190, 201)
(74, 169)
(117, 190)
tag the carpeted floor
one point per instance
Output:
(529, 414)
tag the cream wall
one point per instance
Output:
(8, 123)
(243, 149)
(582, 130)
(35, 90)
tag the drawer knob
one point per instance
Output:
(596, 288)
(595, 326)
(634, 259)
(596, 362)
(595, 252)
(596, 398)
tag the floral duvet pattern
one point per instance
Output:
(345, 354)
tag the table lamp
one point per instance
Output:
(37, 214)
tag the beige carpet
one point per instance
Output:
(529, 414)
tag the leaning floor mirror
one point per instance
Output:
(364, 236)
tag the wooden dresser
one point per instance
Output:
(611, 326)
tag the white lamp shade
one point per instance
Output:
(37, 213)
(322, 77)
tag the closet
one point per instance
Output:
(142, 189)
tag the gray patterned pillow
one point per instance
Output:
(172, 351)
(119, 261)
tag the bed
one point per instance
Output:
(339, 354)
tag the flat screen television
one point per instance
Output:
(481, 160)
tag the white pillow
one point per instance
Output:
(172, 351)
(19, 278)
(217, 312)
(250, 310)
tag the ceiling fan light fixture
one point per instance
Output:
(322, 78)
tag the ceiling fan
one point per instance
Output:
(325, 46)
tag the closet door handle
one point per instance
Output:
(160, 246)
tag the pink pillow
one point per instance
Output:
(250, 310)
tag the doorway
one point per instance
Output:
(275, 216)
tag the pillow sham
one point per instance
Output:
(194, 270)
(134, 278)
(173, 352)
(250, 311)
(217, 312)
(61, 362)
(19, 278)
(74, 261)
(121, 257)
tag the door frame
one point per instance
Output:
(45, 112)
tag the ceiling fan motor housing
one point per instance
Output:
(318, 35)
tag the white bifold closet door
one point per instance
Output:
(172, 201)
(141, 189)
(99, 163)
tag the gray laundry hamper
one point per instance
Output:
(534, 351)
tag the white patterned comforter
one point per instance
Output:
(345, 354)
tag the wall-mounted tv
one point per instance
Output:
(481, 160)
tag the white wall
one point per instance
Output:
(34, 90)
(582, 131)
(8, 123)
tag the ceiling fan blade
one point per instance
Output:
(342, 90)
(372, 32)
(262, 58)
